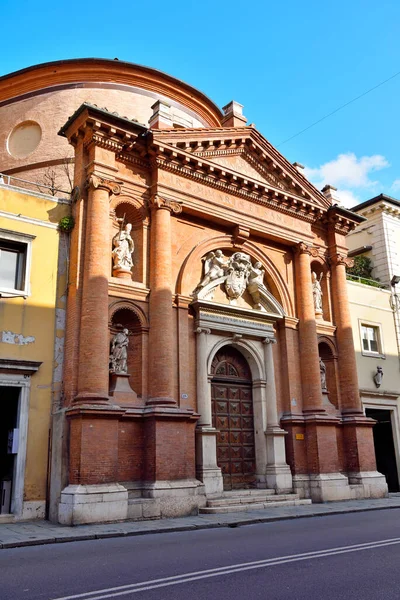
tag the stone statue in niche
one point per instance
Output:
(378, 377)
(317, 292)
(119, 352)
(123, 248)
(237, 273)
(255, 281)
(322, 372)
(215, 265)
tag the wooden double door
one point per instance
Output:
(232, 412)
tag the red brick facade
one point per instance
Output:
(189, 192)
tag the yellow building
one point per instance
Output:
(33, 281)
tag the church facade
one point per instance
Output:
(208, 340)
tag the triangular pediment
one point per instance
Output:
(242, 156)
(242, 161)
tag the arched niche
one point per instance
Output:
(192, 269)
(126, 315)
(320, 267)
(132, 211)
(328, 354)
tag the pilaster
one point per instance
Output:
(207, 469)
(278, 474)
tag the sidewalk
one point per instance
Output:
(32, 533)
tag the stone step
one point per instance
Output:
(212, 510)
(261, 498)
(251, 492)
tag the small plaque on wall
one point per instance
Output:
(299, 436)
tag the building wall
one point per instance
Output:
(28, 326)
(371, 305)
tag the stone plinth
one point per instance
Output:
(100, 503)
(122, 273)
(120, 389)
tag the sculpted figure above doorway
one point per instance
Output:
(236, 274)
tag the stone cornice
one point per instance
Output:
(208, 141)
(228, 181)
(382, 207)
(342, 220)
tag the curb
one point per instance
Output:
(75, 537)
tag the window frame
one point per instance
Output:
(378, 328)
(20, 238)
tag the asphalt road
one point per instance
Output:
(353, 556)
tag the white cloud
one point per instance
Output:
(395, 185)
(349, 174)
(347, 198)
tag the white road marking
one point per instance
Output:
(152, 584)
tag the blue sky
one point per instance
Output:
(288, 63)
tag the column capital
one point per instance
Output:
(202, 330)
(100, 183)
(269, 341)
(156, 202)
(341, 259)
(302, 248)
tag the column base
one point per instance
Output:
(279, 478)
(367, 484)
(207, 469)
(162, 401)
(87, 398)
(278, 473)
(96, 503)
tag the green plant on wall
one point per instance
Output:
(362, 267)
(66, 224)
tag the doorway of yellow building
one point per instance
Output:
(385, 453)
(9, 437)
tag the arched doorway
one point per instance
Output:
(232, 416)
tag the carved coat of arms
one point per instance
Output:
(237, 275)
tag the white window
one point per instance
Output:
(371, 339)
(15, 259)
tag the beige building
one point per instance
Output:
(376, 327)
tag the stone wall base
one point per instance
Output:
(367, 484)
(166, 499)
(328, 487)
(34, 509)
(97, 503)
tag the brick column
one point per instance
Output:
(161, 342)
(349, 388)
(360, 463)
(94, 336)
(309, 357)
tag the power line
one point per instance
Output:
(340, 108)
